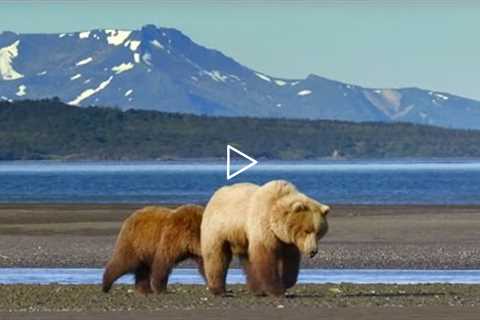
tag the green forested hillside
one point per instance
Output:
(49, 129)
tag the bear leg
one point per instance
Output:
(264, 269)
(160, 272)
(142, 280)
(289, 265)
(199, 261)
(216, 264)
(252, 283)
(114, 269)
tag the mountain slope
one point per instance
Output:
(162, 69)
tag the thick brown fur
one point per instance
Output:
(268, 227)
(151, 242)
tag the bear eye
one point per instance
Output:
(298, 207)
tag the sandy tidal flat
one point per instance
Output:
(73, 235)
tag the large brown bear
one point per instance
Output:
(268, 227)
(151, 242)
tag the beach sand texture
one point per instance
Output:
(74, 235)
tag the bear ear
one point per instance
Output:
(298, 206)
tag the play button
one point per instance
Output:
(242, 169)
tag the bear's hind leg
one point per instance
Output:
(114, 269)
(142, 280)
(216, 264)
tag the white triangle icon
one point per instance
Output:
(248, 166)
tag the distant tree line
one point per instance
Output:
(49, 129)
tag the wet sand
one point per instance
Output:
(74, 235)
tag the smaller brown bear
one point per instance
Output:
(151, 242)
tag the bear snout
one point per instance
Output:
(325, 209)
(313, 253)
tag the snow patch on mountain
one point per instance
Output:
(6, 99)
(84, 61)
(136, 57)
(280, 83)
(90, 92)
(133, 44)
(263, 77)
(128, 92)
(122, 67)
(304, 92)
(7, 54)
(157, 44)
(75, 77)
(44, 72)
(147, 58)
(438, 95)
(84, 35)
(117, 37)
(402, 112)
(22, 90)
(215, 75)
(441, 96)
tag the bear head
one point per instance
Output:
(297, 219)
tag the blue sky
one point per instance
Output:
(428, 44)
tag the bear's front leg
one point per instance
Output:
(289, 264)
(160, 272)
(264, 269)
(142, 280)
(216, 263)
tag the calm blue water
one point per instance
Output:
(397, 182)
(191, 276)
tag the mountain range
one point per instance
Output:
(164, 70)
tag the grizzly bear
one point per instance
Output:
(151, 242)
(267, 227)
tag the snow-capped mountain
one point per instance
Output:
(162, 69)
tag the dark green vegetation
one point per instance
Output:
(49, 129)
